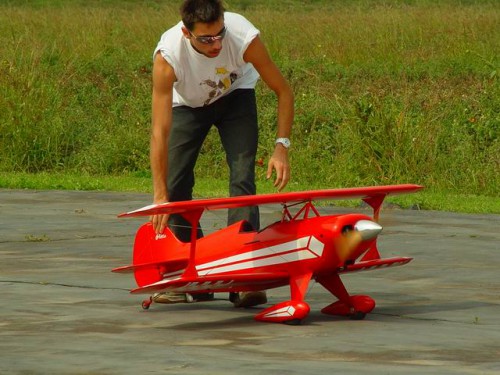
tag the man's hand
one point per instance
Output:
(279, 162)
(159, 222)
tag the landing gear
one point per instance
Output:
(355, 309)
(146, 303)
(288, 312)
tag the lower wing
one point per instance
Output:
(217, 283)
(375, 264)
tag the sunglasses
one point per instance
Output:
(210, 39)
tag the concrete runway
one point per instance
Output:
(64, 312)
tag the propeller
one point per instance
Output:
(347, 243)
(351, 237)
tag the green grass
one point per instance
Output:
(402, 91)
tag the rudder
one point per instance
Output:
(159, 250)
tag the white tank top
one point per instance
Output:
(202, 80)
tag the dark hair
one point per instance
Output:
(204, 11)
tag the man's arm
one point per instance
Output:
(163, 81)
(257, 54)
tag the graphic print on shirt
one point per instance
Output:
(223, 81)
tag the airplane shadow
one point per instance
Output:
(398, 304)
(225, 312)
(238, 322)
(431, 307)
(220, 307)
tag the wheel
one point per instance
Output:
(146, 303)
(357, 315)
(293, 322)
(233, 297)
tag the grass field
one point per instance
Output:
(386, 92)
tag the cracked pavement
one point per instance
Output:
(64, 312)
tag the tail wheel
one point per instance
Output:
(146, 303)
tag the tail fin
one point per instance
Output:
(157, 254)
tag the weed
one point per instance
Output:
(34, 238)
(386, 92)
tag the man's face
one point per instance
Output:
(206, 38)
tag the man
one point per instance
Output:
(205, 71)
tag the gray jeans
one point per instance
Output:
(235, 116)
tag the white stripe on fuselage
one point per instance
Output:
(292, 251)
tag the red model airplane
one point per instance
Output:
(292, 251)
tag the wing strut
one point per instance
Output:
(304, 211)
(194, 219)
(375, 202)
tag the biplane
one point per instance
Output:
(302, 246)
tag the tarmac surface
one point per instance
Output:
(64, 312)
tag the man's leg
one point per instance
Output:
(190, 127)
(238, 131)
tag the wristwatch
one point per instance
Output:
(284, 141)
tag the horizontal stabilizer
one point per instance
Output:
(375, 264)
(169, 265)
(217, 283)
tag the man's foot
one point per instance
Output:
(248, 299)
(171, 297)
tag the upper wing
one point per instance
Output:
(371, 192)
(217, 283)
